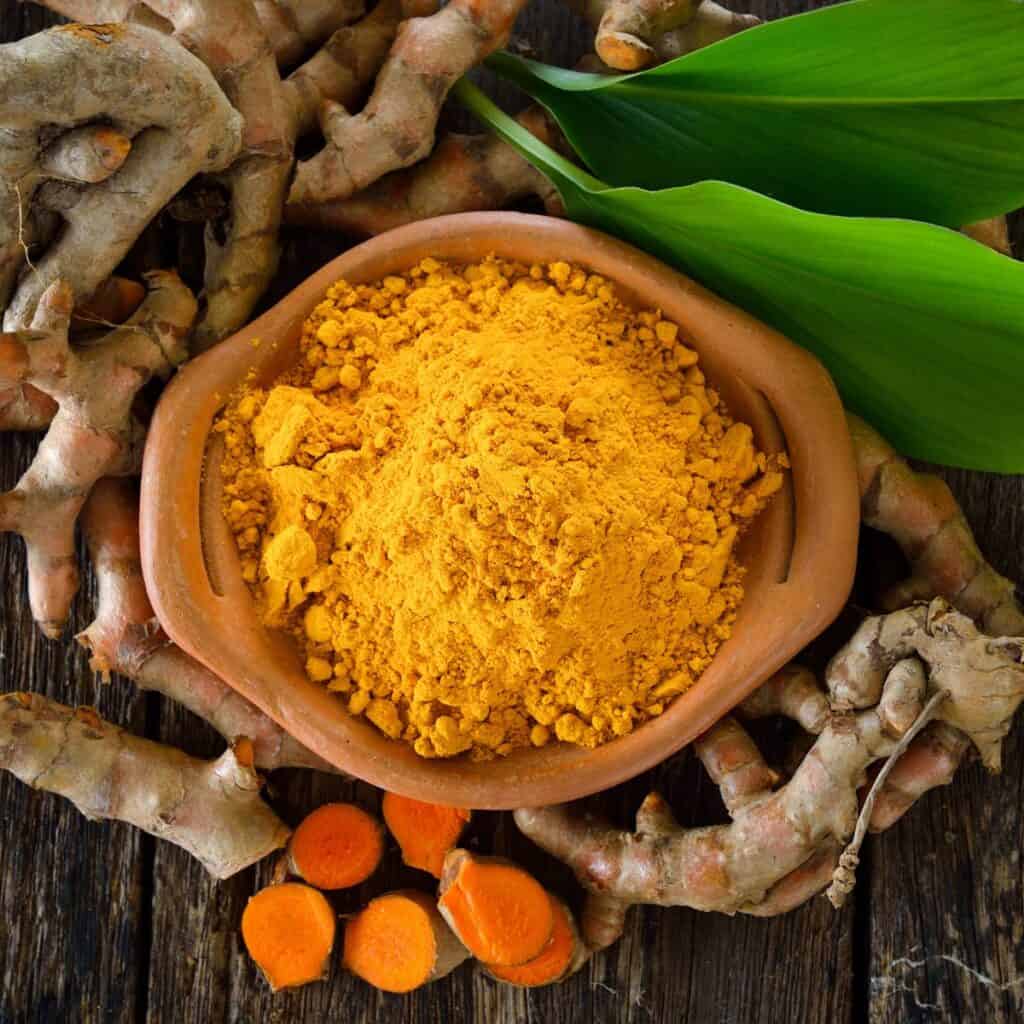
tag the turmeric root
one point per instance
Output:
(336, 847)
(470, 172)
(24, 407)
(634, 34)
(86, 155)
(111, 304)
(396, 128)
(212, 809)
(293, 26)
(920, 513)
(425, 832)
(500, 913)
(782, 846)
(564, 954)
(124, 637)
(400, 942)
(711, 23)
(349, 60)
(139, 80)
(464, 173)
(226, 36)
(94, 433)
(288, 930)
(233, 38)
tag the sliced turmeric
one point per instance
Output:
(288, 930)
(502, 915)
(335, 847)
(400, 942)
(425, 832)
(564, 954)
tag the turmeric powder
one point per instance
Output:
(495, 505)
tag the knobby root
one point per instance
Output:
(94, 432)
(212, 809)
(463, 173)
(396, 128)
(783, 844)
(169, 120)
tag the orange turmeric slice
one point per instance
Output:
(400, 942)
(337, 846)
(288, 930)
(425, 832)
(502, 915)
(563, 955)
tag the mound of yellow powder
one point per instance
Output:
(494, 505)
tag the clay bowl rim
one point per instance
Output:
(809, 582)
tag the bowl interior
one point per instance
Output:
(203, 603)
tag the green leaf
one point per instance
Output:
(922, 328)
(896, 108)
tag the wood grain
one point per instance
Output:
(100, 924)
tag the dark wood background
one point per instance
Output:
(99, 923)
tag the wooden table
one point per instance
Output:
(101, 923)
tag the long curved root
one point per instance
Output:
(94, 432)
(783, 845)
(276, 113)
(139, 80)
(345, 65)
(228, 38)
(920, 513)
(212, 809)
(397, 126)
(125, 637)
(464, 172)
(242, 44)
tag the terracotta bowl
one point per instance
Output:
(800, 554)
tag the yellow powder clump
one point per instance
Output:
(496, 506)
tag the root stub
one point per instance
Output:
(500, 913)
(400, 942)
(288, 930)
(336, 847)
(425, 832)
